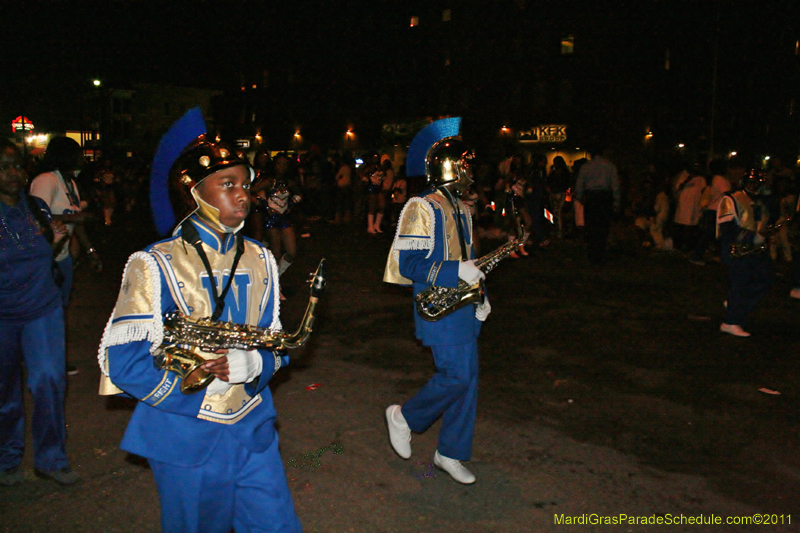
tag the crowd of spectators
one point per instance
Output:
(667, 206)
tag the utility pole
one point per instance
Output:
(714, 82)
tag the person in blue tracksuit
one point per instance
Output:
(213, 453)
(433, 246)
(31, 329)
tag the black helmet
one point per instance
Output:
(753, 181)
(198, 161)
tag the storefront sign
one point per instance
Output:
(21, 124)
(550, 133)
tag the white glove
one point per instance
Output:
(217, 386)
(758, 239)
(469, 272)
(483, 310)
(244, 366)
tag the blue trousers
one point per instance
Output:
(598, 209)
(796, 275)
(40, 344)
(67, 268)
(452, 393)
(236, 488)
(749, 279)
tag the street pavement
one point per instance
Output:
(604, 392)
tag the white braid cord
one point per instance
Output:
(152, 330)
(465, 210)
(272, 266)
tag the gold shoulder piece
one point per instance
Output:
(136, 315)
(726, 208)
(415, 220)
(415, 231)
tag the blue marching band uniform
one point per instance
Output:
(214, 454)
(742, 220)
(279, 201)
(425, 252)
(432, 244)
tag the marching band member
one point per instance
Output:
(214, 453)
(277, 218)
(742, 224)
(433, 245)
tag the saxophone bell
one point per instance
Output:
(187, 365)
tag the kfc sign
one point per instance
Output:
(551, 133)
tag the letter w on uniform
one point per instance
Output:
(237, 298)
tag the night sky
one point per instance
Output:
(349, 54)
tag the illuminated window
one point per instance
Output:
(414, 21)
(446, 15)
(568, 44)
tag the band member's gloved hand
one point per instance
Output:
(469, 272)
(483, 310)
(758, 239)
(217, 386)
(245, 366)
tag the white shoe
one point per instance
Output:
(453, 467)
(399, 432)
(734, 330)
(795, 293)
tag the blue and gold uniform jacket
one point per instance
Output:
(426, 251)
(739, 218)
(167, 425)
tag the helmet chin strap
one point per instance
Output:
(210, 214)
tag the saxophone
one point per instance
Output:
(740, 249)
(435, 302)
(182, 333)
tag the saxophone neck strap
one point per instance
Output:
(192, 236)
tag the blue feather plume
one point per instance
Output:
(427, 137)
(184, 131)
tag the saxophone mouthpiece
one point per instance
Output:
(319, 279)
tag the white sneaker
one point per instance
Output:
(453, 467)
(795, 293)
(399, 432)
(734, 330)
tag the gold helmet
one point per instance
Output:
(438, 153)
(448, 165)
